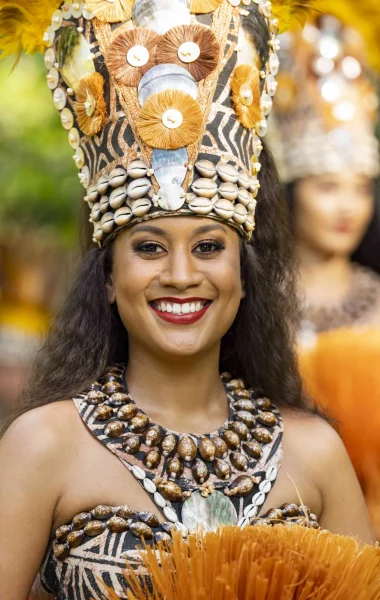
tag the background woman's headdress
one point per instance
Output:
(162, 115)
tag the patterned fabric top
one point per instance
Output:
(219, 478)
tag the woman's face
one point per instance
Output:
(176, 282)
(333, 211)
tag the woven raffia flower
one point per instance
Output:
(170, 120)
(131, 54)
(246, 95)
(198, 7)
(90, 106)
(194, 47)
(111, 11)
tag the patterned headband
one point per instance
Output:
(163, 115)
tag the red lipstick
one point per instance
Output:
(182, 318)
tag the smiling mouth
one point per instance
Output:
(180, 312)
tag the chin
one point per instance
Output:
(340, 247)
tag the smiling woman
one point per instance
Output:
(167, 394)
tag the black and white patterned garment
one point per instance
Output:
(209, 480)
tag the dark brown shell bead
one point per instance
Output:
(152, 459)
(114, 370)
(94, 528)
(232, 439)
(132, 444)
(225, 377)
(126, 512)
(117, 525)
(242, 394)
(241, 429)
(168, 444)
(235, 384)
(200, 471)
(153, 436)
(246, 417)
(161, 536)
(75, 538)
(267, 418)
(113, 387)
(174, 468)
(80, 520)
(113, 377)
(253, 449)
(221, 448)
(102, 512)
(167, 527)
(141, 530)
(262, 435)
(206, 449)
(61, 551)
(263, 403)
(114, 429)
(274, 514)
(119, 399)
(139, 423)
(241, 486)
(127, 412)
(239, 461)
(103, 413)
(95, 397)
(187, 449)
(222, 469)
(62, 532)
(170, 491)
(149, 518)
(291, 510)
(244, 405)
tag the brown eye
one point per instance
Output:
(148, 248)
(209, 247)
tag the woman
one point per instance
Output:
(187, 304)
(325, 139)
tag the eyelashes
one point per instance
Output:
(204, 247)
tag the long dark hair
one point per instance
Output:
(88, 334)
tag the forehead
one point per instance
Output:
(180, 228)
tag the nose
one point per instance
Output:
(180, 271)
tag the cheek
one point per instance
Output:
(314, 214)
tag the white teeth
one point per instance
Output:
(177, 309)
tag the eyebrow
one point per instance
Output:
(158, 231)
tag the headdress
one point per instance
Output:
(162, 117)
(325, 114)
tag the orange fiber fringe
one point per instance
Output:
(246, 75)
(198, 7)
(167, 51)
(111, 12)
(116, 56)
(152, 130)
(91, 85)
(258, 563)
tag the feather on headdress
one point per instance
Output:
(289, 11)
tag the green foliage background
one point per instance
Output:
(39, 183)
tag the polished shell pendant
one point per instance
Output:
(166, 77)
(169, 166)
(161, 15)
(208, 513)
(171, 197)
(74, 57)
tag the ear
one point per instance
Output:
(111, 293)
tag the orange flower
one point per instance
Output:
(90, 106)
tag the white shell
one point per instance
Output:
(138, 472)
(161, 15)
(262, 127)
(209, 513)
(171, 196)
(136, 169)
(254, 185)
(188, 52)
(249, 508)
(117, 177)
(224, 208)
(257, 145)
(170, 514)
(250, 222)
(266, 104)
(271, 85)
(92, 193)
(205, 168)
(243, 180)
(207, 188)
(159, 500)
(228, 190)
(265, 486)
(271, 473)
(138, 188)
(258, 499)
(107, 222)
(149, 485)
(74, 56)
(102, 184)
(141, 206)
(95, 212)
(166, 77)
(172, 118)
(104, 204)
(169, 166)
(74, 138)
(66, 10)
(228, 173)
(123, 216)
(52, 78)
(244, 196)
(98, 233)
(117, 197)
(79, 158)
(48, 37)
(181, 528)
(201, 206)
(252, 512)
(274, 63)
(76, 9)
(59, 98)
(87, 14)
(240, 214)
(49, 58)
(67, 118)
(56, 20)
(137, 56)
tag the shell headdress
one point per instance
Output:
(326, 112)
(163, 116)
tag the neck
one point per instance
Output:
(325, 278)
(182, 394)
